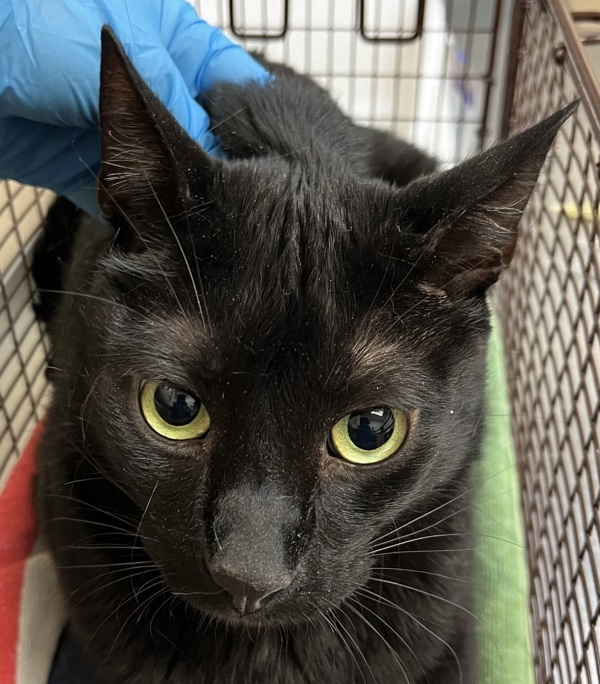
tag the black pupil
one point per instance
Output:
(371, 428)
(175, 406)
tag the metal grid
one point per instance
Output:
(23, 348)
(550, 306)
(421, 69)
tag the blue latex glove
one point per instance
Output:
(49, 81)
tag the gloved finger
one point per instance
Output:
(50, 59)
(54, 157)
(202, 53)
(65, 160)
(86, 198)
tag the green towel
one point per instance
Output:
(502, 581)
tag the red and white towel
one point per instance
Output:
(31, 611)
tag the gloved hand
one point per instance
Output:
(49, 81)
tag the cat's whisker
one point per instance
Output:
(83, 479)
(413, 265)
(95, 523)
(411, 522)
(385, 641)
(151, 581)
(139, 572)
(85, 295)
(111, 535)
(139, 609)
(176, 648)
(160, 607)
(354, 642)
(200, 284)
(389, 627)
(93, 461)
(379, 550)
(227, 118)
(87, 504)
(137, 532)
(103, 547)
(84, 521)
(466, 492)
(289, 154)
(480, 622)
(408, 587)
(197, 593)
(180, 246)
(96, 465)
(84, 405)
(110, 614)
(408, 535)
(336, 630)
(173, 602)
(413, 551)
(105, 585)
(384, 568)
(142, 239)
(125, 564)
(196, 210)
(373, 596)
(480, 417)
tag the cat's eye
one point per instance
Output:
(369, 435)
(173, 412)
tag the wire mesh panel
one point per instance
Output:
(421, 69)
(22, 344)
(550, 307)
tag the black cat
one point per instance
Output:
(269, 393)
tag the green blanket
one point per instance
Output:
(505, 652)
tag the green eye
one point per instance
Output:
(369, 435)
(173, 412)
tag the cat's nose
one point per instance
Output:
(248, 593)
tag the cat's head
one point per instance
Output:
(293, 360)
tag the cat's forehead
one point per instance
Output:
(274, 271)
(286, 346)
(286, 229)
(281, 193)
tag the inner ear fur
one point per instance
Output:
(146, 154)
(465, 220)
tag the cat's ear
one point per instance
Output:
(464, 220)
(145, 152)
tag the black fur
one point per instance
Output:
(286, 286)
(52, 254)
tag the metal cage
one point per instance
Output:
(447, 75)
(549, 305)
